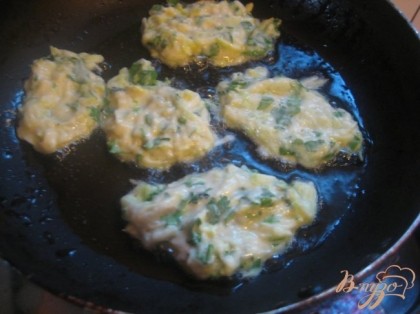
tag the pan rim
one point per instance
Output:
(318, 298)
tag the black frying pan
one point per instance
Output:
(60, 221)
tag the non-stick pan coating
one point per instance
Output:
(60, 221)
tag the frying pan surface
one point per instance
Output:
(60, 220)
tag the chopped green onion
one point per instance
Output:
(284, 113)
(217, 209)
(75, 79)
(251, 42)
(204, 257)
(318, 133)
(189, 183)
(266, 202)
(147, 192)
(195, 197)
(95, 113)
(229, 217)
(156, 8)
(278, 240)
(228, 252)
(196, 236)
(329, 156)
(251, 263)
(228, 36)
(339, 113)
(214, 50)
(235, 85)
(73, 106)
(116, 89)
(265, 102)
(148, 119)
(253, 214)
(139, 157)
(107, 109)
(293, 102)
(155, 142)
(158, 42)
(313, 146)
(141, 76)
(271, 219)
(182, 120)
(255, 53)
(199, 20)
(286, 152)
(267, 193)
(172, 219)
(183, 204)
(297, 141)
(113, 147)
(355, 142)
(247, 25)
(173, 2)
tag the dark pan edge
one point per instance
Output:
(410, 24)
(316, 299)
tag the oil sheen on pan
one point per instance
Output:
(76, 190)
(64, 170)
